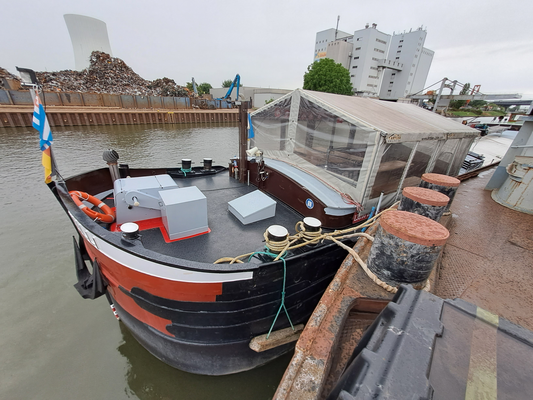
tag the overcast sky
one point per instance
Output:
(271, 43)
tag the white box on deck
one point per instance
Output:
(184, 212)
(252, 207)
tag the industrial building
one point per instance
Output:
(257, 96)
(381, 65)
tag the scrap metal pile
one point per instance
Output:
(107, 74)
(4, 73)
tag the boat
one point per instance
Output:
(198, 262)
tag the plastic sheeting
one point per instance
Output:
(360, 147)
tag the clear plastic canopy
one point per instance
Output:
(360, 147)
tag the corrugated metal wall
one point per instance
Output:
(23, 98)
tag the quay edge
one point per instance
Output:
(17, 116)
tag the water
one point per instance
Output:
(54, 344)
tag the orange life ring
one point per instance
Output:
(107, 217)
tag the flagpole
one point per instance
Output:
(40, 123)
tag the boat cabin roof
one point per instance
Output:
(360, 147)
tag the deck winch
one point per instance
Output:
(182, 209)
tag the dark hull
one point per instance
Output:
(196, 316)
(205, 359)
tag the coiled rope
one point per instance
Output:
(305, 238)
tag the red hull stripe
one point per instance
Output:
(154, 269)
(120, 275)
(128, 304)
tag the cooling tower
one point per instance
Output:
(87, 35)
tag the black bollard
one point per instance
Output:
(441, 183)
(406, 247)
(426, 202)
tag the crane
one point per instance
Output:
(236, 83)
(194, 88)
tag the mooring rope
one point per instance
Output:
(305, 238)
(277, 247)
(370, 274)
(311, 237)
(277, 250)
(185, 170)
(282, 305)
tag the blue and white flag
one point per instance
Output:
(40, 122)
(250, 127)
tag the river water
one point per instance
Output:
(54, 344)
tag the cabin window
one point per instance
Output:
(330, 142)
(424, 151)
(393, 162)
(272, 123)
(460, 150)
(446, 156)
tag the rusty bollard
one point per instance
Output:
(441, 183)
(406, 247)
(422, 201)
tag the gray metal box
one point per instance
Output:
(252, 207)
(146, 189)
(184, 212)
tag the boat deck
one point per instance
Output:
(228, 237)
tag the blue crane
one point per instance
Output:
(236, 83)
(194, 87)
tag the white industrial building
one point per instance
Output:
(258, 96)
(381, 65)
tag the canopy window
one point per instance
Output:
(360, 147)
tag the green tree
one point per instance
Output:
(477, 103)
(227, 83)
(204, 88)
(457, 104)
(327, 76)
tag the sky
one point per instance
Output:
(271, 43)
